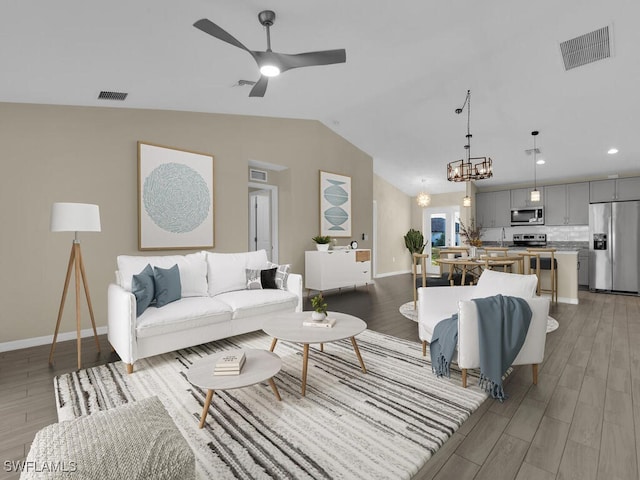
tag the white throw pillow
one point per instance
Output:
(515, 285)
(193, 270)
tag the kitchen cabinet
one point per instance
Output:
(628, 189)
(583, 267)
(521, 197)
(619, 189)
(493, 209)
(567, 204)
(336, 269)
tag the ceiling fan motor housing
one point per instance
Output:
(267, 17)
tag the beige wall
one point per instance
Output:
(393, 222)
(84, 154)
(445, 200)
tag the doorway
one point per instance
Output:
(442, 229)
(263, 220)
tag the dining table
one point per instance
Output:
(473, 266)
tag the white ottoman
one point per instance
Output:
(135, 441)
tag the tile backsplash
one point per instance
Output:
(560, 233)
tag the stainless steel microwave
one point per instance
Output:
(527, 216)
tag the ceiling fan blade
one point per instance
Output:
(310, 59)
(260, 87)
(207, 26)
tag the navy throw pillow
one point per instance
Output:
(168, 286)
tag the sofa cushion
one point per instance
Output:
(167, 285)
(227, 271)
(185, 314)
(143, 288)
(512, 284)
(193, 270)
(248, 303)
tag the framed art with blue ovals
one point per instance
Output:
(335, 205)
(175, 198)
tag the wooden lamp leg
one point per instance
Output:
(75, 263)
(86, 292)
(62, 301)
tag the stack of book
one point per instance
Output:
(326, 323)
(230, 364)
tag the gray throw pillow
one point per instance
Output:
(253, 279)
(168, 286)
(143, 287)
(282, 274)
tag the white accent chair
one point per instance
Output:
(437, 303)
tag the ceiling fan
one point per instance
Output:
(272, 63)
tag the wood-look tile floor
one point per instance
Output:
(582, 420)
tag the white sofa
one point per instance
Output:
(438, 303)
(215, 303)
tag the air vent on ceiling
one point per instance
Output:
(112, 95)
(587, 48)
(257, 175)
(530, 151)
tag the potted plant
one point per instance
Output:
(319, 308)
(322, 242)
(472, 235)
(414, 241)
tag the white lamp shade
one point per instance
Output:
(75, 217)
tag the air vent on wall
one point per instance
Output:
(587, 48)
(112, 95)
(257, 175)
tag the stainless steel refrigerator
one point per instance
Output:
(614, 246)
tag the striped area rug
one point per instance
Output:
(384, 424)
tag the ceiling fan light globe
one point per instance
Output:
(269, 70)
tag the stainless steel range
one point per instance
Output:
(529, 239)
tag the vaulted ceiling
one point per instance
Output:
(409, 65)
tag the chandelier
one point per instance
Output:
(469, 169)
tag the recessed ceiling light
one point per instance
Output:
(540, 161)
(612, 151)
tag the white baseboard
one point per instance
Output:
(391, 274)
(47, 339)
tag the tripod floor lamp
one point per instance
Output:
(75, 217)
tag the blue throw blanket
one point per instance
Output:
(503, 323)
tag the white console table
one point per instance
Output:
(336, 269)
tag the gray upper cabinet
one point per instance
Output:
(521, 197)
(619, 189)
(492, 209)
(567, 204)
(602, 191)
(628, 188)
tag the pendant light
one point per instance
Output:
(535, 193)
(423, 198)
(466, 201)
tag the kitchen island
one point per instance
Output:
(567, 274)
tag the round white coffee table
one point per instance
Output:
(288, 327)
(259, 366)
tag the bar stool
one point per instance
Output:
(545, 260)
